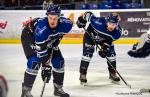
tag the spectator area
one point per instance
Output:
(73, 4)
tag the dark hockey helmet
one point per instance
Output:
(113, 18)
(53, 10)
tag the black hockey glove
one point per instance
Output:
(81, 22)
(104, 50)
(46, 73)
(102, 53)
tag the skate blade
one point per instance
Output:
(115, 82)
(56, 95)
(83, 84)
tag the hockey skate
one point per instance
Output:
(26, 91)
(83, 79)
(58, 91)
(113, 76)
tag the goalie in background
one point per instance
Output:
(142, 48)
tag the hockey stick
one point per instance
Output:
(43, 88)
(107, 59)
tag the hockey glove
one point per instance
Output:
(104, 50)
(102, 53)
(81, 22)
(46, 73)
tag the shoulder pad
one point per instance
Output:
(66, 24)
(65, 20)
(97, 21)
(41, 27)
(32, 24)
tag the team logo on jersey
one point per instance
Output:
(40, 31)
(97, 22)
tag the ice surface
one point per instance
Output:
(135, 71)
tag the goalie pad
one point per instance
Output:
(142, 48)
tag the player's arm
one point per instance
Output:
(66, 25)
(55, 40)
(41, 41)
(42, 50)
(44, 53)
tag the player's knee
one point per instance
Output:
(86, 58)
(89, 48)
(58, 64)
(33, 65)
(111, 56)
(112, 59)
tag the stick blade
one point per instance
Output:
(129, 86)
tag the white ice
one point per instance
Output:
(135, 71)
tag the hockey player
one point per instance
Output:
(99, 31)
(41, 46)
(142, 48)
(3, 86)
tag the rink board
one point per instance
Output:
(134, 22)
(70, 41)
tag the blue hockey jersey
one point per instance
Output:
(98, 26)
(45, 37)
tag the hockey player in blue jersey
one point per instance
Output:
(99, 31)
(44, 49)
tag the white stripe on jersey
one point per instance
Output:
(48, 38)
